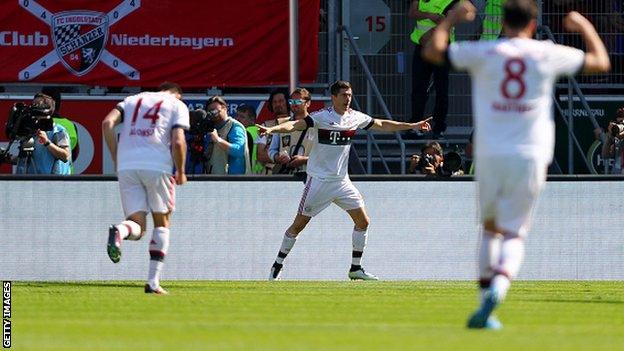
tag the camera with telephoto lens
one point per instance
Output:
(426, 160)
(200, 122)
(24, 120)
(452, 163)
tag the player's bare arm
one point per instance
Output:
(178, 150)
(435, 49)
(112, 119)
(596, 57)
(286, 127)
(386, 125)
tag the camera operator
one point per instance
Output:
(43, 144)
(228, 152)
(433, 162)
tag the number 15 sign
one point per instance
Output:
(370, 22)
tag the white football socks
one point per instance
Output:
(287, 244)
(359, 238)
(129, 230)
(512, 254)
(158, 248)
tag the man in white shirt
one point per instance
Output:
(151, 142)
(512, 82)
(328, 180)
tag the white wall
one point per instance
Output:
(57, 230)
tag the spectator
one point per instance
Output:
(427, 15)
(47, 152)
(69, 126)
(290, 151)
(246, 115)
(280, 109)
(228, 153)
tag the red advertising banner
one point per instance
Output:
(195, 43)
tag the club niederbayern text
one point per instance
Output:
(14, 38)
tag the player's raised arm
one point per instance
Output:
(387, 125)
(596, 57)
(286, 127)
(435, 49)
(112, 119)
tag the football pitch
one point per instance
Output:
(294, 315)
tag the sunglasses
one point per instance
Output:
(295, 101)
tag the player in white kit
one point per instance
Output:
(512, 83)
(328, 180)
(151, 142)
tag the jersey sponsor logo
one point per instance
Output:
(335, 137)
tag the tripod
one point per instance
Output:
(25, 162)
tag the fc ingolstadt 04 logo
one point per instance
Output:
(79, 38)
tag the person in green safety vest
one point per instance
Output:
(428, 13)
(246, 115)
(69, 126)
(492, 24)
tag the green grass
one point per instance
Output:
(291, 315)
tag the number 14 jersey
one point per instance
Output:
(512, 84)
(145, 134)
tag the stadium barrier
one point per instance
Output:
(231, 229)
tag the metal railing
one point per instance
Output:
(573, 87)
(372, 85)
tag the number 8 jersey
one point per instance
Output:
(513, 101)
(145, 134)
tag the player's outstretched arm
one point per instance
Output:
(387, 125)
(286, 127)
(596, 57)
(435, 49)
(112, 119)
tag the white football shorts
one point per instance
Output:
(508, 190)
(317, 195)
(146, 191)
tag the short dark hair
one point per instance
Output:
(517, 14)
(171, 87)
(339, 85)
(272, 96)
(435, 146)
(248, 110)
(216, 99)
(619, 113)
(305, 94)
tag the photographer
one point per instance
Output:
(615, 134)
(433, 162)
(43, 144)
(228, 152)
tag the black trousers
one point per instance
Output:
(422, 72)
